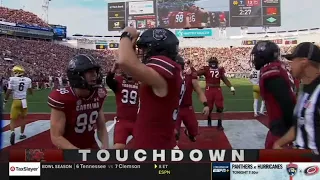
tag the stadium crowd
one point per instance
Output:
(20, 16)
(41, 58)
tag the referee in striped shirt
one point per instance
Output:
(305, 132)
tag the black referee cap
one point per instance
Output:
(305, 50)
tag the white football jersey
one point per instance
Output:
(19, 87)
(255, 77)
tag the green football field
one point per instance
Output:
(242, 101)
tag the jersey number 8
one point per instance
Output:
(21, 86)
(129, 96)
(85, 122)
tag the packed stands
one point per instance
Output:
(47, 58)
(21, 16)
(43, 58)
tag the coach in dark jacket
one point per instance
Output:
(306, 129)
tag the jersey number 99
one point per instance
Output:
(85, 122)
(129, 96)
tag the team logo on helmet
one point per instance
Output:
(159, 34)
(101, 93)
(72, 64)
(292, 169)
(262, 46)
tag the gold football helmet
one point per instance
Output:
(18, 70)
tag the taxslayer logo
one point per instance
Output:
(24, 169)
(311, 170)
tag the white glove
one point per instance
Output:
(232, 89)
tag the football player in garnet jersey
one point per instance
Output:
(179, 19)
(161, 87)
(186, 112)
(213, 74)
(197, 17)
(77, 110)
(126, 91)
(279, 102)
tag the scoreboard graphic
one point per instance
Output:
(255, 13)
(143, 14)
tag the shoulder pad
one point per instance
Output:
(57, 99)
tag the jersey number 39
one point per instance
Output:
(86, 122)
(129, 96)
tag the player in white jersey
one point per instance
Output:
(18, 87)
(254, 79)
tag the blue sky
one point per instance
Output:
(90, 16)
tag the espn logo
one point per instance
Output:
(24, 169)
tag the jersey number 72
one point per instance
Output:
(215, 73)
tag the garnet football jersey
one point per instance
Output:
(127, 98)
(81, 114)
(154, 128)
(274, 70)
(213, 75)
(177, 19)
(196, 19)
(187, 97)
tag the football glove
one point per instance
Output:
(233, 90)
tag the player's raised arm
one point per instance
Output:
(110, 81)
(157, 46)
(102, 131)
(226, 81)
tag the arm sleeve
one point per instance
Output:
(164, 68)
(55, 100)
(111, 82)
(282, 96)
